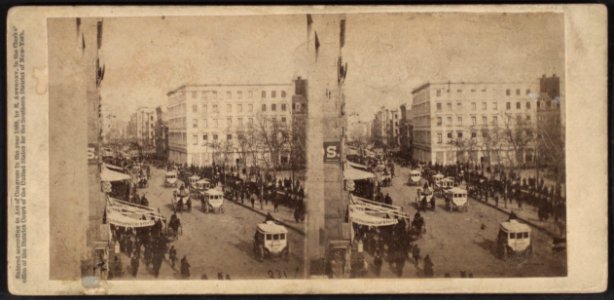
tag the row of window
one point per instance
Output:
(474, 134)
(474, 120)
(239, 107)
(508, 92)
(205, 138)
(215, 123)
(484, 106)
(213, 94)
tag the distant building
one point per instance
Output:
(379, 127)
(385, 128)
(131, 128)
(161, 133)
(393, 128)
(358, 130)
(114, 129)
(466, 122)
(550, 130)
(145, 127)
(222, 123)
(405, 132)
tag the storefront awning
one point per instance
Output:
(370, 213)
(126, 214)
(109, 175)
(351, 173)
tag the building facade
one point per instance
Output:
(393, 128)
(550, 128)
(478, 123)
(161, 133)
(379, 127)
(405, 132)
(79, 239)
(145, 127)
(385, 128)
(359, 131)
(228, 123)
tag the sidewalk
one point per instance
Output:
(527, 214)
(284, 215)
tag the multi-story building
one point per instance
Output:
(114, 129)
(405, 132)
(379, 131)
(131, 128)
(225, 123)
(161, 133)
(358, 130)
(478, 123)
(145, 126)
(393, 128)
(550, 130)
(385, 127)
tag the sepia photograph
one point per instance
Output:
(443, 156)
(302, 150)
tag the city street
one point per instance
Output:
(465, 241)
(218, 242)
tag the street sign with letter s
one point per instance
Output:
(332, 152)
(92, 153)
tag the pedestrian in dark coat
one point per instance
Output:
(172, 256)
(377, 263)
(134, 263)
(185, 267)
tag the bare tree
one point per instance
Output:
(518, 135)
(270, 136)
(465, 146)
(492, 144)
(248, 144)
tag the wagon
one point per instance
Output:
(514, 239)
(456, 199)
(212, 201)
(271, 241)
(170, 179)
(414, 177)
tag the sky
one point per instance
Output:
(388, 55)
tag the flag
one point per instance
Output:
(342, 33)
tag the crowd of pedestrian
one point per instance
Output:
(393, 244)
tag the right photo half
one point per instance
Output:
(435, 145)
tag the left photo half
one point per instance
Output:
(196, 139)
